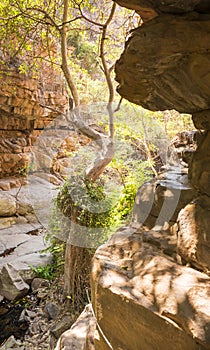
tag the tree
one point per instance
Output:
(51, 23)
(31, 24)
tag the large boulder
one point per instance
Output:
(12, 286)
(7, 204)
(158, 202)
(170, 6)
(165, 64)
(194, 235)
(144, 300)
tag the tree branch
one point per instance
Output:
(65, 66)
(107, 72)
(45, 13)
(98, 24)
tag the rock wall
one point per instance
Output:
(150, 281)
(27, 106)
(194, 219)
(24, 113)
(163, 68)
(147, 283)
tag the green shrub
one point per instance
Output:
(57, 250)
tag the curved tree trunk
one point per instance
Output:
(78, 259)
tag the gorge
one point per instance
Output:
(150, 283)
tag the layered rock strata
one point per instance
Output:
(27, 105)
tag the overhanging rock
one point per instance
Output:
(166, 64)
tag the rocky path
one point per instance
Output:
(25, 211)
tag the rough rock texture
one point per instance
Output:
(194, 235)
(194, 219)
(185, 144)
(201, 120)
(149, 9)
(80, 335)
(199, 172)
(158, 202)
(12, 343)
(12, 286)
(61, 326)
(22, 235)
(136, 287)
(7, 204)
(23, 113)
(162, 67)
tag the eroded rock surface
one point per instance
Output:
(149, 9)
(7, 204)
(80, 335)
(165, 64)
(171, 6)
(12, 343)
(12, 286)
(158, 202)
(194, 236)
(199, 172)
(135, 286)
(24, 113)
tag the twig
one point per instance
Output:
(118, 106)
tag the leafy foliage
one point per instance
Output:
(47, 272)
(57, 249)
(105, 204)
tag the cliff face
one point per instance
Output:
(165, 63)
(149, 9)
(24, 113)
(144, 295)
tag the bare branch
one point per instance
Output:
(87, 130)
(98, 24)
(24, 40)
(70, 21)
(65, 66)
(45, 13)
(107, 72)
(119, 104)
(9, 18)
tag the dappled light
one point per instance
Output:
(105, 175)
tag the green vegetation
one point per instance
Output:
(102, 206)
(55, 269)
(82, 40)
(47, 272)
(107, 203)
